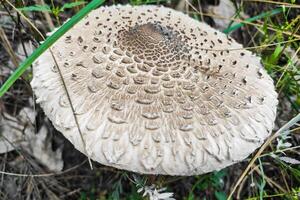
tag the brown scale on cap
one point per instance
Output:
(156, 92)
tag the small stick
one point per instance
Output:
(270, 181)
(8, 48)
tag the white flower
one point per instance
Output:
(156, 194)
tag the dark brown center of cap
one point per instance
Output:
(153, 43)
(152, 32)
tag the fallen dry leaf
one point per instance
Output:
(20, 132)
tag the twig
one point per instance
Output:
(285, 182)
(42, 175)
(275, 2)
(8, 48)
(70, 193)
(241, 186)
(270, 181)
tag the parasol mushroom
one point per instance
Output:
(156, 92)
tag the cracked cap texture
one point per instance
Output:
(156, 92)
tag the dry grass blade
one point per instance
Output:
(275, 2)
(287, 66)
(43, 175)
(8, 48)
(288, 125)
(270, 181)
(246, 22)
(25, 18)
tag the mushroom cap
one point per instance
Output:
(156, 92)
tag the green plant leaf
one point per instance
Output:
(220, 195)
(191, 196)
(71, 5)
(274, 57)
(260, 16)
(38, 8)
(141, 2)
(47, 43)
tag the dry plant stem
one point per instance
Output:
(3, 161)
(262, 148)
(72, 107)
(239, 190)
(252, 36)
(294, 56)
(49, 193)
(243, 21)
(286, 67)
(281, 151)
(275, 2)
(193, 7)
(70, 193)
(241, 186)
(293, 33)
(63, 82)
(18, 24)
(42, 175)
(26, 19)
(285, 182)
(8, 48)
(47, 15)
(270, 181)
(200, 8)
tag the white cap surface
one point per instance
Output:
(156, 92)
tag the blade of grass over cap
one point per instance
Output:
(251, 19)
(47, 43)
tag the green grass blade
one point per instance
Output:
(47, 43)
(260, 16)
(36, 8)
